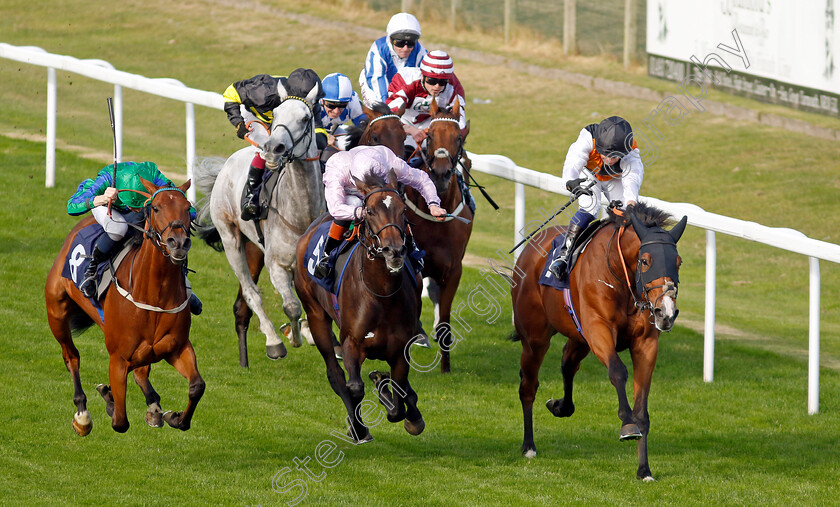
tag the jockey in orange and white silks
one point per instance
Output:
(398, 49)
(415, 88)
(606, 156)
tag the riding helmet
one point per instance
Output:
(337, 88)
(614, 137)
(403, 26)
(437, 64)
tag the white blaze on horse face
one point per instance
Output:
(668, 306)
(387, 201)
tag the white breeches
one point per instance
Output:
(114, 225)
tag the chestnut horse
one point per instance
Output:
(381, 128)
(445, 242)
(152, 325)
(378, 309)
(624, 290)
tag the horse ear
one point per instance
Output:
(676, 232)
(400, 111)
(370, 113)
(312, 96)
(640, 228)
(433, 107)
(150, 187)
(185, 186)
(466, 131)
(281, 90)
(360, 185)
(392, 178)
(456, 108)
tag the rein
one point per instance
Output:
(374, 251)
(156, 238)
(289, 155)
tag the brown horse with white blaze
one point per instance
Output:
(153, 325)
(445, 242)
(378, 309)
(624, 290)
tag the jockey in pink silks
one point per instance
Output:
(345, 202)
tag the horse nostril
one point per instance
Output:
(448, 174)
(171, 243)
(279, 149)
(187, 244)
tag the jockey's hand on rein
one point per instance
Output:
(576, 188)
(241, 130)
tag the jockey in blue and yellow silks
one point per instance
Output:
(255, 99)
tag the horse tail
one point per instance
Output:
(514, 336)
(204, 226)
(206, 171)
(79, 323)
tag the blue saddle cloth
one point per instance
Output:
(547, 277)
(78, 258)
(340, 257)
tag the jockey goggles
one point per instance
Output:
(335, 105)
(403, 43)
(434, 81)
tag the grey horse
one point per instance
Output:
(297, 200)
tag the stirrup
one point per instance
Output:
(88, 287)
(558, 268)
(322, 269)
(250, 210)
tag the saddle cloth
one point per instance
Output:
(339, 258)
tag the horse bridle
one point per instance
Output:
(453, 160)
(287, 157)
(376, 250)
(151, 232)
(643, 302)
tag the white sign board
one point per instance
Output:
(791, 48)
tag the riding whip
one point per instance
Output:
(574, 198)
(114, 132)
(479, 187)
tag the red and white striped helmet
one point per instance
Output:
(437, 64)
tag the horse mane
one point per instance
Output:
(650, 216)
(375, 181)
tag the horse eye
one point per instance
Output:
(155, 209)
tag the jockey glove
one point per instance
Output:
(576, 188)
(241, 130)
(321, 140)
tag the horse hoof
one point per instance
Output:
(154, 419)
(560, 409)
(363, 440)
(422, 340)
(120, 428)
(414, 427)
(338, 353)
(286, 329)
(173, 419)
(378, 376)
(275, 352)
(630, 432)
(530, 453)
(648, 479)
(82, 424)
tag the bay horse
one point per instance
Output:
(624, 290)
(135, 335)
(382, 127)
(378, 309)
(297, 200)
(445, 242)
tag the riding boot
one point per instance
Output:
(414, 252)
(195, 304)
(250, 197)
(558, 267)
(322, 269)
(99, 255)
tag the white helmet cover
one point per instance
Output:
(404, 26)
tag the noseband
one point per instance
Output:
(443, 152)
(376, 250)
(289, 155)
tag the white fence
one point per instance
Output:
(496, 165)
